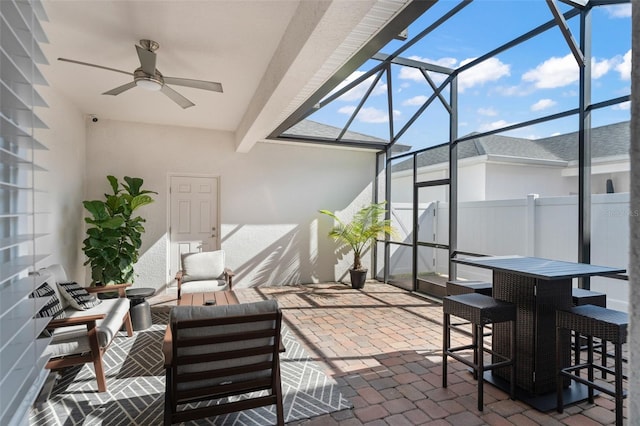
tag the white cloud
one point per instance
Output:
(624, 67)
(558, 72)
(490, 70)
(543, 104)
(554, 72)
(622, 107)
(415, 101)
(619, 10)
(512, 90)
(493, 125)
(598, 69)
(489, 112)
(347, 109)
(359, 91)
(369, 115)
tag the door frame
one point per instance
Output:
(171, 279)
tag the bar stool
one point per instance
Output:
(455, 287)
(583, 297)
(480, 310)
(593, 321)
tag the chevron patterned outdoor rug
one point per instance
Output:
(136, 388)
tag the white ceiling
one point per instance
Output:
(269, 56)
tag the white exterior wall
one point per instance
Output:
(505, 181)
(401, 186)
(472, 176)
(269, 198)
(62, 184)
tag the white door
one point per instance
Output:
(193, 217)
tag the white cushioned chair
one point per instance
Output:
(84, 335)
(220, 352)
(203, 272)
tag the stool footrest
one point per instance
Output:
(507, 362)
(568, 373)
(578, 367)
(460, 348)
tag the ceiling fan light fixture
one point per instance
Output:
(149, 84)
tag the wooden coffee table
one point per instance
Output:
(196, 299)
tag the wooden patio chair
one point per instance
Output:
(204, 272)
(219, 352)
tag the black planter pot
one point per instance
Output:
(358, 278)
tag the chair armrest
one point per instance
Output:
(179, 275)
(66, 322)
(229, 274)
(120, 288)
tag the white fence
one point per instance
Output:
(541, 227)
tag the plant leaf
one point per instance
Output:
(113, 181)
(134, 185)
(140, 200)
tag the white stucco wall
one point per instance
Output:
(269, 198)
(62, 184)
(505, 181)
(472, 176)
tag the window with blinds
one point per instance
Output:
(22, 361)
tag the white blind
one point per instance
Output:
(22, 362)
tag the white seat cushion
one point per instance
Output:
(74, 340)
(203, 286)
(207, 265)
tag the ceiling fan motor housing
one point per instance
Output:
(149, 45)
(147, 81)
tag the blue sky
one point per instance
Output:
(534, 79)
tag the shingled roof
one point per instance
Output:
(314, 129)
(606, 141)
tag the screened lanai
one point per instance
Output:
(496, 135)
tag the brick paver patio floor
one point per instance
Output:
(384, 347)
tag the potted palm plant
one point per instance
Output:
(114, 236)
(359, 234)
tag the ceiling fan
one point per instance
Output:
(150, 78)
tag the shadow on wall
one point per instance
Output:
(286, 261)
(303, 254)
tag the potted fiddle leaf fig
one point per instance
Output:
(114, 236)
(359, 234)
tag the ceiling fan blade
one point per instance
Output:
(94, 65)
(176, 97)
(121, 89)
(147, 60)
(198, 84)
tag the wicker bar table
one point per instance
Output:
(538, 287)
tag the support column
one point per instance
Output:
(531, 224)
(634, 225)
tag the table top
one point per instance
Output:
(140, 292)
(202, 299)
(536, 267)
